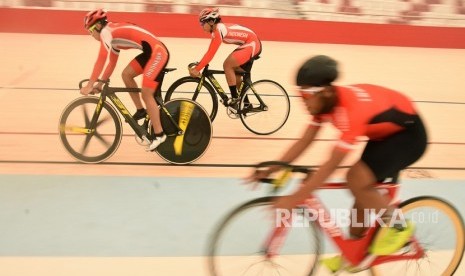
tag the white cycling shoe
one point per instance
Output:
(156, 142)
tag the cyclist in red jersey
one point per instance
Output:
(396, 139)
(115, 37)
(249, 48)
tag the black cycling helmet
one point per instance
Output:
(319, 70)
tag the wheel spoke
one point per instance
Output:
(86, 144)
(101, 139)
(86, 115)
(103, 120)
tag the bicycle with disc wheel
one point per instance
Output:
(256, 239)
(263, 106)
(91, 129)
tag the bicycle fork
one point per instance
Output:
(274, 242)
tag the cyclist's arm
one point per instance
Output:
(290, 155)
(114, 54)
(313, 182)
(98, 67)
(317, 179)
(302, 144)
(325, 170)
(345, 145)
(99, 63)
(215, 44)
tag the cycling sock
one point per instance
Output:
(233, 90)
(159, 134)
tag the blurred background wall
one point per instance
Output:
(413, 12)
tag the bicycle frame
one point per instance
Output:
(141, 131)
(209, 75)
(360, 258)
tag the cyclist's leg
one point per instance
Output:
(381, 160)
(230, 66)
(241, 55)
(246, 66)
(384, 159)
(150, 82)
(132, 70)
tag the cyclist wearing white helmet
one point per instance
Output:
(249, 48)
(115, 37)
(396, 139)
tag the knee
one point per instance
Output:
(227, 65)
(229, 62)
(125, 75)
(146, 95)
(359, 177)
(351, 175)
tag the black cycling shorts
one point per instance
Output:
(145, 56)
(387, 157)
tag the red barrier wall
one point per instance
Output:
(185, 25)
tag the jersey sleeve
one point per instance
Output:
(111, 65)
(215, 43)
(99, 63)
(315, 122)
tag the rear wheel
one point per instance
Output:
(440, 232)
(264, 107)
(197, 127)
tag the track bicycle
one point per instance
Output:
(263, 106)
(91, 130)
(254, 239)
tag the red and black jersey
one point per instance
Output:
(367, 110)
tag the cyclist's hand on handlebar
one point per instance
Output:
(254, 178)
(86, 90)
(193, 72)
(97, 88)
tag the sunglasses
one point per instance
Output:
(307, 93)
(92, 28)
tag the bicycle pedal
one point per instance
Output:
(144, 141)
(232, 113)
(408, 248)
(232, 109)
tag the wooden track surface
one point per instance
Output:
(39, 77)
(40, 73)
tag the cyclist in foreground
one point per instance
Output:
(396, 139)
(115, 37)
(249, 47)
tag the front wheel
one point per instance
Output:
(188, 87)
(86, 144)
(237, 244)
(264, 107)
(439, 230)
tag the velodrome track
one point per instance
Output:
(127, 216)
